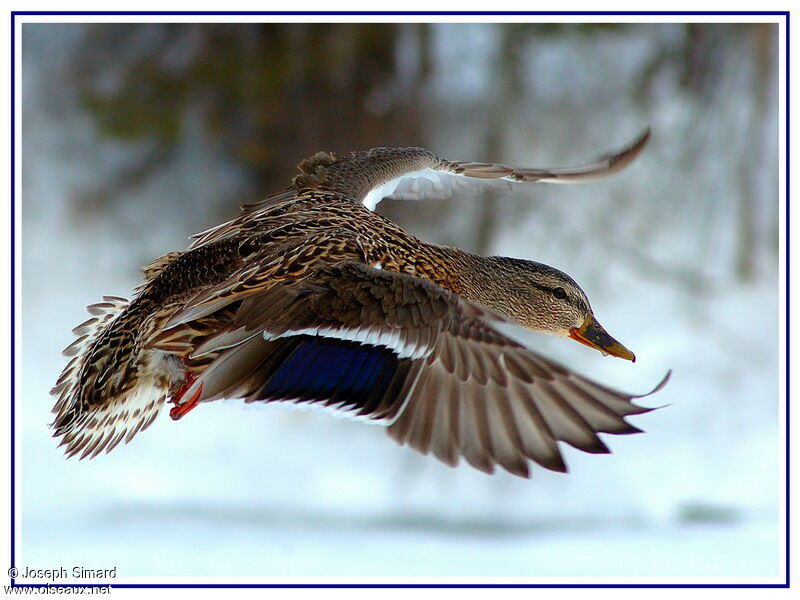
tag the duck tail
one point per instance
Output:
(110, 389)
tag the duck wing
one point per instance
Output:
(418, 174)
(400, 351)
(407, 174)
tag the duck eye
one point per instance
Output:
(560, 293)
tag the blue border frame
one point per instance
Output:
(14, 15)
(13, 288)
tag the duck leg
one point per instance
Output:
(181, 408)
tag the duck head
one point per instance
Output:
(540, 298)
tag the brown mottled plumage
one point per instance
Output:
(309, 296)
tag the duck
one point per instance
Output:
(310, 297)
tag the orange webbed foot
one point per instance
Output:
(181, 408)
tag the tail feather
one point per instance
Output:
(89, 422)
(79, 350)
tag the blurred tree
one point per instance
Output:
(752, 189)
(267, 94)
(715, 64)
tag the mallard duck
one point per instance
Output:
(311, 297)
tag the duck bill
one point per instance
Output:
(592, 334)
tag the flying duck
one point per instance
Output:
(309, 296)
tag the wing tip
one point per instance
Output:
(657, 388)
(625, 156)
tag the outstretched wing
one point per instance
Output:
(417, 174)
(394, 349)
(407, 174)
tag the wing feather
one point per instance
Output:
(442, 179)
(395, 349)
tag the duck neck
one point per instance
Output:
(471, 276)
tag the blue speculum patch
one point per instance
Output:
(320, 368)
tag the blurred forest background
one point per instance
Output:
(136, 136)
